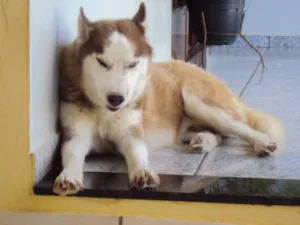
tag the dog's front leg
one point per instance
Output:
(127, 133)
(78, 131)
(136, 154)
(70, 180)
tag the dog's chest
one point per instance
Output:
(104, 121)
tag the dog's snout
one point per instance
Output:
(115, 99)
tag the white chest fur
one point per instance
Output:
(159, 138)
(115, 126)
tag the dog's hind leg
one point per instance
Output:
(204, 141)
(269, 125)
(200, 138)
(223, 122)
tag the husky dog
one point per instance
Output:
(114, 98)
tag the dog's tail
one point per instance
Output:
(268, 125)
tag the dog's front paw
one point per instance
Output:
(263, 150)
(143, 178)
(67, 183)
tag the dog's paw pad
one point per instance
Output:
(202, 142)
(144, 178)
(266, 150)
(64, 185)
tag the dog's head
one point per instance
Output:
(115, 59)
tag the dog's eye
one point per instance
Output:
(102, 63)
(132, 65)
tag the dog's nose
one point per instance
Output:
(115, 100)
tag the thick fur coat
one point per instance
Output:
(114, 98)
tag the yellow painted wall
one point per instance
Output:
(16, 166)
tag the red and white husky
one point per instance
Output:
(113, 96)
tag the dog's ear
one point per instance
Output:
(140, 17)
(84, 26)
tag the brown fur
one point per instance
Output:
(67, 134)
(178, 95)
(70, 86)
(167, 79)
(101, 31)
(161, 102)
(211, 90)
(137, 131)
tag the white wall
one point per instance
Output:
(43, 88)
(263, 17)
(53, 23)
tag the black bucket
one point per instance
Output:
(221, 16)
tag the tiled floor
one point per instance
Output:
(173, 160)
(277, 93)
(151, 221)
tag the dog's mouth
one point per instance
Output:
(111, 108)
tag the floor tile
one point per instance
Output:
(257, 41)
(37, 218)
(234, 54)
(102, 163)
(234, 66)
(153, 221)
(172, 160)
(286, 69)
(285, 41)
(234, 162)
(284, 103)
(284, 54)
(233, 73)
(282, 65)
(278, 92)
